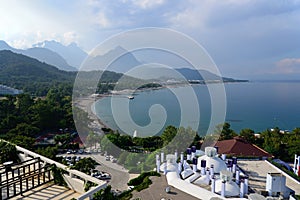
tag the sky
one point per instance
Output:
(251, 39)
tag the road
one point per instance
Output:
(119, 175)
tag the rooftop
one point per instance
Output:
(239, 147)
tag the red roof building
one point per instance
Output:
(239, 147)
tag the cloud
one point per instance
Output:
(288, 66)
(70, 37)
(237, 34)
(102, 20)
(147, 4)
(28, 39)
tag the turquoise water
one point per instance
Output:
(255, 105)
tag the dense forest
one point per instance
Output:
(30, 75)
(23, 118)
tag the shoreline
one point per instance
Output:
(85, 104)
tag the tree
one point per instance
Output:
(168, 134)
(225, 131)
(24, 130)
(104, 194)
(23, 141)
(133, 159)
(23, 104)
(49, 152)
(108, 145)
(63, 139)
(248, 135)
(272, 141)
(8, 152)
(85, 165)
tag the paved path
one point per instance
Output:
(258, 171)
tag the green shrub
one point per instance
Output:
(88, 185)
(139, 180)
(58, 176)
(145, 184)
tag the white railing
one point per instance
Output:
(89, 194)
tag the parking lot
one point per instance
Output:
(119, 176)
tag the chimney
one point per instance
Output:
(176, 156)
(217, 149)
(203, 166)
(162, 157)
(157, 163)
(298, 165)
(193, 152)
(181, 157)
(242, 189)
(295, 163)
(179, 167)
(234, 164)
(223, 156)
(195, 160)
(207, 175)
(246, 185)
(165, 167)
(213, 184)
(184, 163)
(237, 176)
(212, 172)
(188, 153)
(223, 189)
(229, 165)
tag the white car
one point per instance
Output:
(77, 158)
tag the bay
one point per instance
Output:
(255, 105)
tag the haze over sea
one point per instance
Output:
(256, 105)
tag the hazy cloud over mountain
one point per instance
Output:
(245, 38)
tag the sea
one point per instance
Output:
(258, 105)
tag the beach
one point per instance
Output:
(85, 104)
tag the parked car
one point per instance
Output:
(77, 158)
(104, 176)
(80, 151)
(69, 151)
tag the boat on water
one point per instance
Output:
(130, 97)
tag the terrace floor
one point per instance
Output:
(258, 171)
(49, 191)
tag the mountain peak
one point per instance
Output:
(4, 45)
(73, 54)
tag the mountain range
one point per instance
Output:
(73, 54)
(117, 59)
(42, 65)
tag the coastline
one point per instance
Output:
(85, 104)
